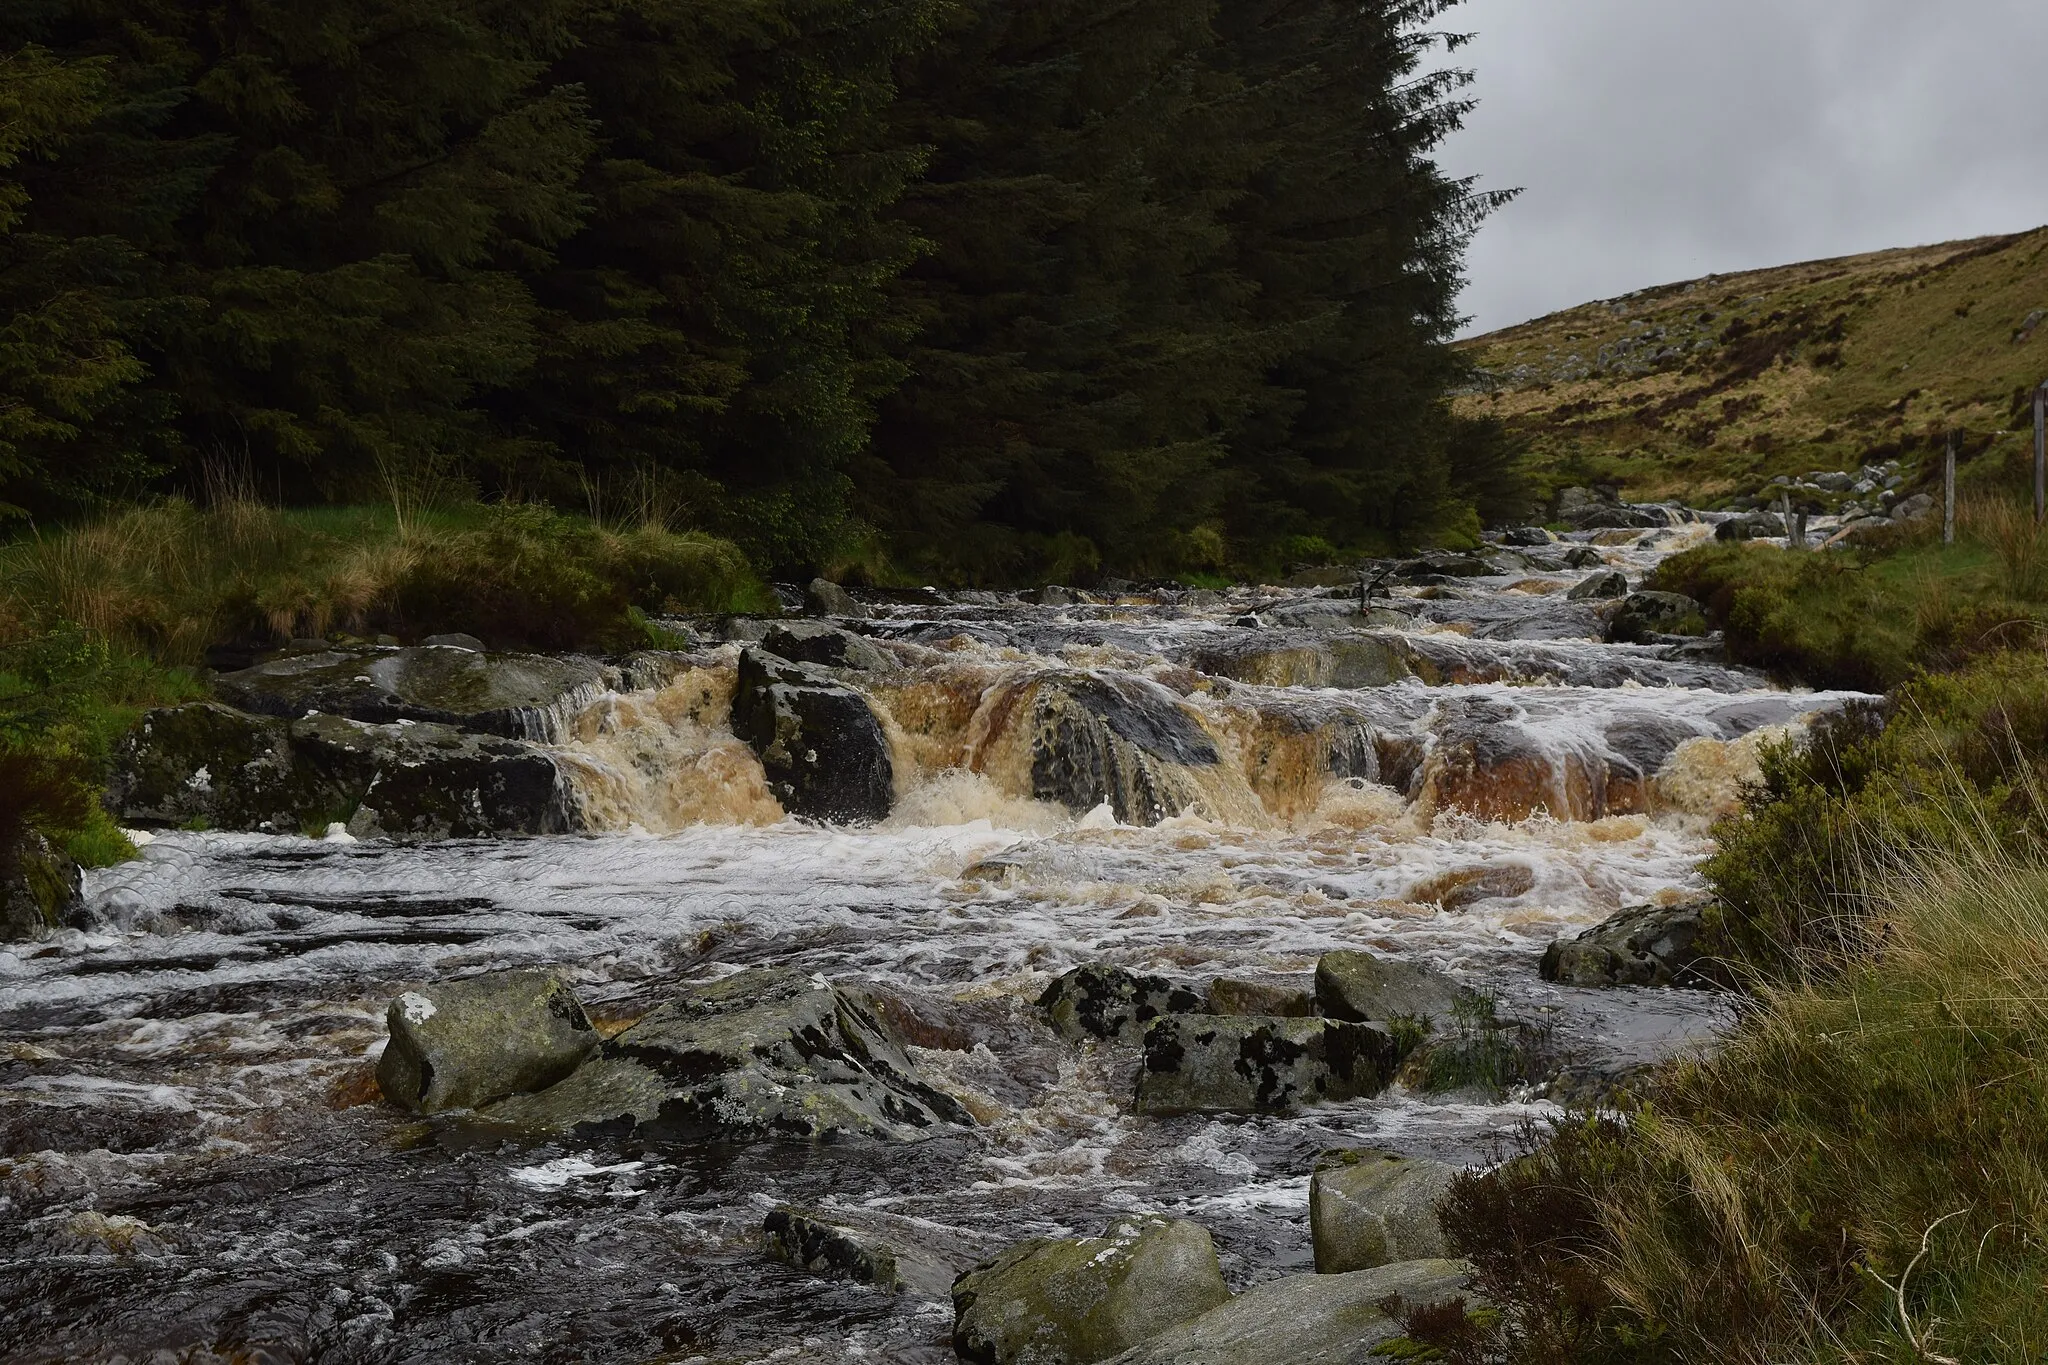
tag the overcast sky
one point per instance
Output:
(1663, 140)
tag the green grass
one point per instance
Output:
(102, 620)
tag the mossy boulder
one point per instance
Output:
(769, 1052)
(211, 766)
(1100, 1000)
(1310, 1319)
(1073, 1301)
(1360, 987)
(518, 696)
(817, 738)
(460, 1044)
(1212, 1064)
(1369, 1208)
(1646, 617)
(40, 888)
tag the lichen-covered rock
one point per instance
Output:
(1100, 1000)
(818, 740)
(1650, 945)
(1308, 1319)
(461, 1044)
(424, 781)
(1270, 999)
(1216, 1064)
(1073, 1301)
(209, 765)
(1600, 587)
(518, 696)
(1644, 616)
(814, 1241)
(1359, 986)
(770, 1052)
(1369, 1208)
(40, 888)
(814, 642)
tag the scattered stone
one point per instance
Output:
(811, 1241)
(518, 696)
(1600, 587)
(814, 642)
(1650, 945)
(1915, 508)
(1073, 1301)
(1361, 987)
(1583, 557)
(769, 1052)
(454, 640)
(1369, 1208)
(825, 598)
(1645, 616)
(1100, 1000)
(1527, 537)
(462, 1044)
(41, 889)
(818, 739)
(1265, 999)
(1751, 526)
(1239, 1065)
(1308, 1319)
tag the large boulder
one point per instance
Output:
(1649, 945)
(1076, 1300)
(1218, 1064)
(1751, 526)
(1359, 987)
(769, 1052)
(1369, 1208)
(518, 696)
(1309, 1319)
(1119, 739)
(823, 597)
(41, 889)
(1100, 1000)
(818, 740)
(210, 766)
(1601, 587)
(461, 1044)
(814, 642)
(1646, 616)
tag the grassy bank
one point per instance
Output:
(1868, 619)
(1861, 1172)
(101, 620)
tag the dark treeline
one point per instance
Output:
(972, 289)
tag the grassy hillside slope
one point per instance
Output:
(1714, 386)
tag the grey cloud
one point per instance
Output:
(1660, 140)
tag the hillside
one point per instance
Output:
(1712, 387)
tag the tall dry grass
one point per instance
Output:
(2009, 531)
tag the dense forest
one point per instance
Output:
(978, 290)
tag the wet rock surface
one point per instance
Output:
(1308, 1319)
(1074, 1301)
(1100, 1000)
(817, 738)
(1645, 616)
(1361, 986)
(1370, 1208)
(518, 696)
(1250, 1065)
(813, 1240)
(771, 1052)
(1650, 945)
(460, 1044)
(40, 888)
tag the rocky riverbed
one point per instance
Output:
(915, 817)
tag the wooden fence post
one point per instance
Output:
(1948, 493)
(2041, 454)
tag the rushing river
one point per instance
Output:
(194, 1165)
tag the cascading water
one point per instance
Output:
(194, 1165)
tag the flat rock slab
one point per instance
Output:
(1071, 1301)
(1307, 1319)
(770, 1052)
(821, 1243)
(459, 1044)
(1220, 1065)
(518, 696)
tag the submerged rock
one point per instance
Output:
(1308, 1319)
(770, 1051)
(1369, 1208)
(1359, 986)
(1650, 945)
(811, 1241)
(1218, 1064)
(1073, 1301)
(41, 889)
(518, 696)
(818, 740)
(1100, 1000)
(461, 1044)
